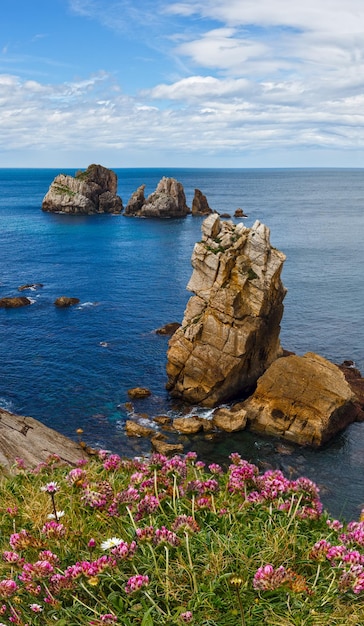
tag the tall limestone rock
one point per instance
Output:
(168, 200)
(230, 331)
(92, 191)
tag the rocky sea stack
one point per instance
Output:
(230, 331)
(167, 201)
(91, 191)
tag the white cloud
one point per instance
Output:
(241, 75)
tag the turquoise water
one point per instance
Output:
(131, 276)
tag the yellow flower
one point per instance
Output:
(236, 581)
(93, 581)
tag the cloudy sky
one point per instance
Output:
(198, 83)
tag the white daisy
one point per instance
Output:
(111, 543)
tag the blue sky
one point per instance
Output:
(210, 83)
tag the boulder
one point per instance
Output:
(168, 449)
(304, 399)
(168, 200)
(31, 287)
(200, 206)
(65, 301)
(139, 392)
(230, 331)
(162, 420)
(27, 439)
(230, 420)
(356, 382)
(168, 329)
(187, 425)
(133, 429)
(239, 213)
(91, 191)
(14, 302)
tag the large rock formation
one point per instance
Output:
(92, 191)
(304, 399)
(200, 206)
(230, 331)
(27, 439)
(168, 200)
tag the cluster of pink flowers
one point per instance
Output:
(165, 536)
(7, 588)
(107, 618)
(268, 577)
(274, 487)
(345, 556)
(136, 582)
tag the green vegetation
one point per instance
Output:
(162, 541)
(64, 190)
(251, 274)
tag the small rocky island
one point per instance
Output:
(89, 192)
(167, 201)
(228, 346)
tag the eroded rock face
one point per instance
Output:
(304, 399)
(168, 200)
(200, 206)
(92, 191)
(230, 331)
(26, 438)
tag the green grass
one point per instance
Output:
(162, 542)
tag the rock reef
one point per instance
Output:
(91, 191)
(230, 331)
(167, 201)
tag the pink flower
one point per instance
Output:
(11, 557)
(113, 462)
(267, 577)
(76, 475)
(136, 582)
(53, 529)
(186, 617)
(36, 608)
(7, 588)
(51, 487)
(20, 540)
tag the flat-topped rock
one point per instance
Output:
(305, 399)
(14, 302)
(88, 192)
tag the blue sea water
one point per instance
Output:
(131, 275)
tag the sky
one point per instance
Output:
(195, 83)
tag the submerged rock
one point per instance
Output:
(139, 392)
(91, 191)
(230, 331)
(167, 201)
(168, 329)
(65, 301)
(302, 399)
(31, 287)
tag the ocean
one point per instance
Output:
(71, 368)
